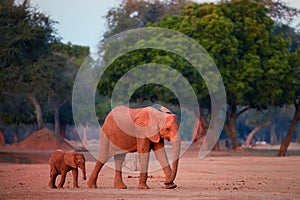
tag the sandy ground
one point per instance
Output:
(218, 176)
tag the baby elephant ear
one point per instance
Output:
(147, 125)
(69, 159)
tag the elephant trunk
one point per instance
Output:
(176, 143)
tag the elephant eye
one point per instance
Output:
(167, 129)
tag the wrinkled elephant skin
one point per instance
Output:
(138, 130)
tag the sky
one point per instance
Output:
(79, 22)
(82, 22)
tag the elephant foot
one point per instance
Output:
(52, 186)
(143, 186)
(120, 186)
(171, 186)
(76, 186)
(91, 184)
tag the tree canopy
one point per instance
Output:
(255, 63)
(130, 14)
(36, 68)
(252, 43)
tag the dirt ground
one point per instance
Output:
(218, 176)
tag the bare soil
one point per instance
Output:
(223, 175)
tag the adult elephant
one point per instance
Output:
(142, 130)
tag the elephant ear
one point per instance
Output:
(147, 125)
(165, 110)
(69, 159)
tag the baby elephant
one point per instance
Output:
(61, 162)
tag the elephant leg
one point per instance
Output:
(92, 182)
(104, 155)
(144, 158)
(63, 178)
(118, 182)
(75, 177)
(161, 156)
(143, 147)
(53, 175)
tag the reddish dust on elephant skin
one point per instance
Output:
(61, 163)
(139, 130)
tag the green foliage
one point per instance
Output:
(73, 56)
(135, 14)
(25, 37)
(257, 66)
(102, 106)
(238, 36)
(33, 62)
(15, 110)
(25, 63)
(75, 53)
(291, 83)
(152, 92)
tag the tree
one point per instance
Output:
(26, 66)
(262, 60)
(252, 61)
(74, 56)
(291, 83)
(238, 35)
(34, 65)
(130, 14)
(258, 120)
(135, 14)
(280, 10)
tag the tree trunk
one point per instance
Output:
(56, 120)
(2, 139)
(62, 131)
(248, 141)
(230, 126)
(231, 132)
(273, 136)
(197, 130)
(16, 140)
(38, 112)
(286, 141)
(254, 131)
(216, 147)
(200, 128)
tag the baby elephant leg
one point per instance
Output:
(53, 175)
(63, 178)
(75, 177)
